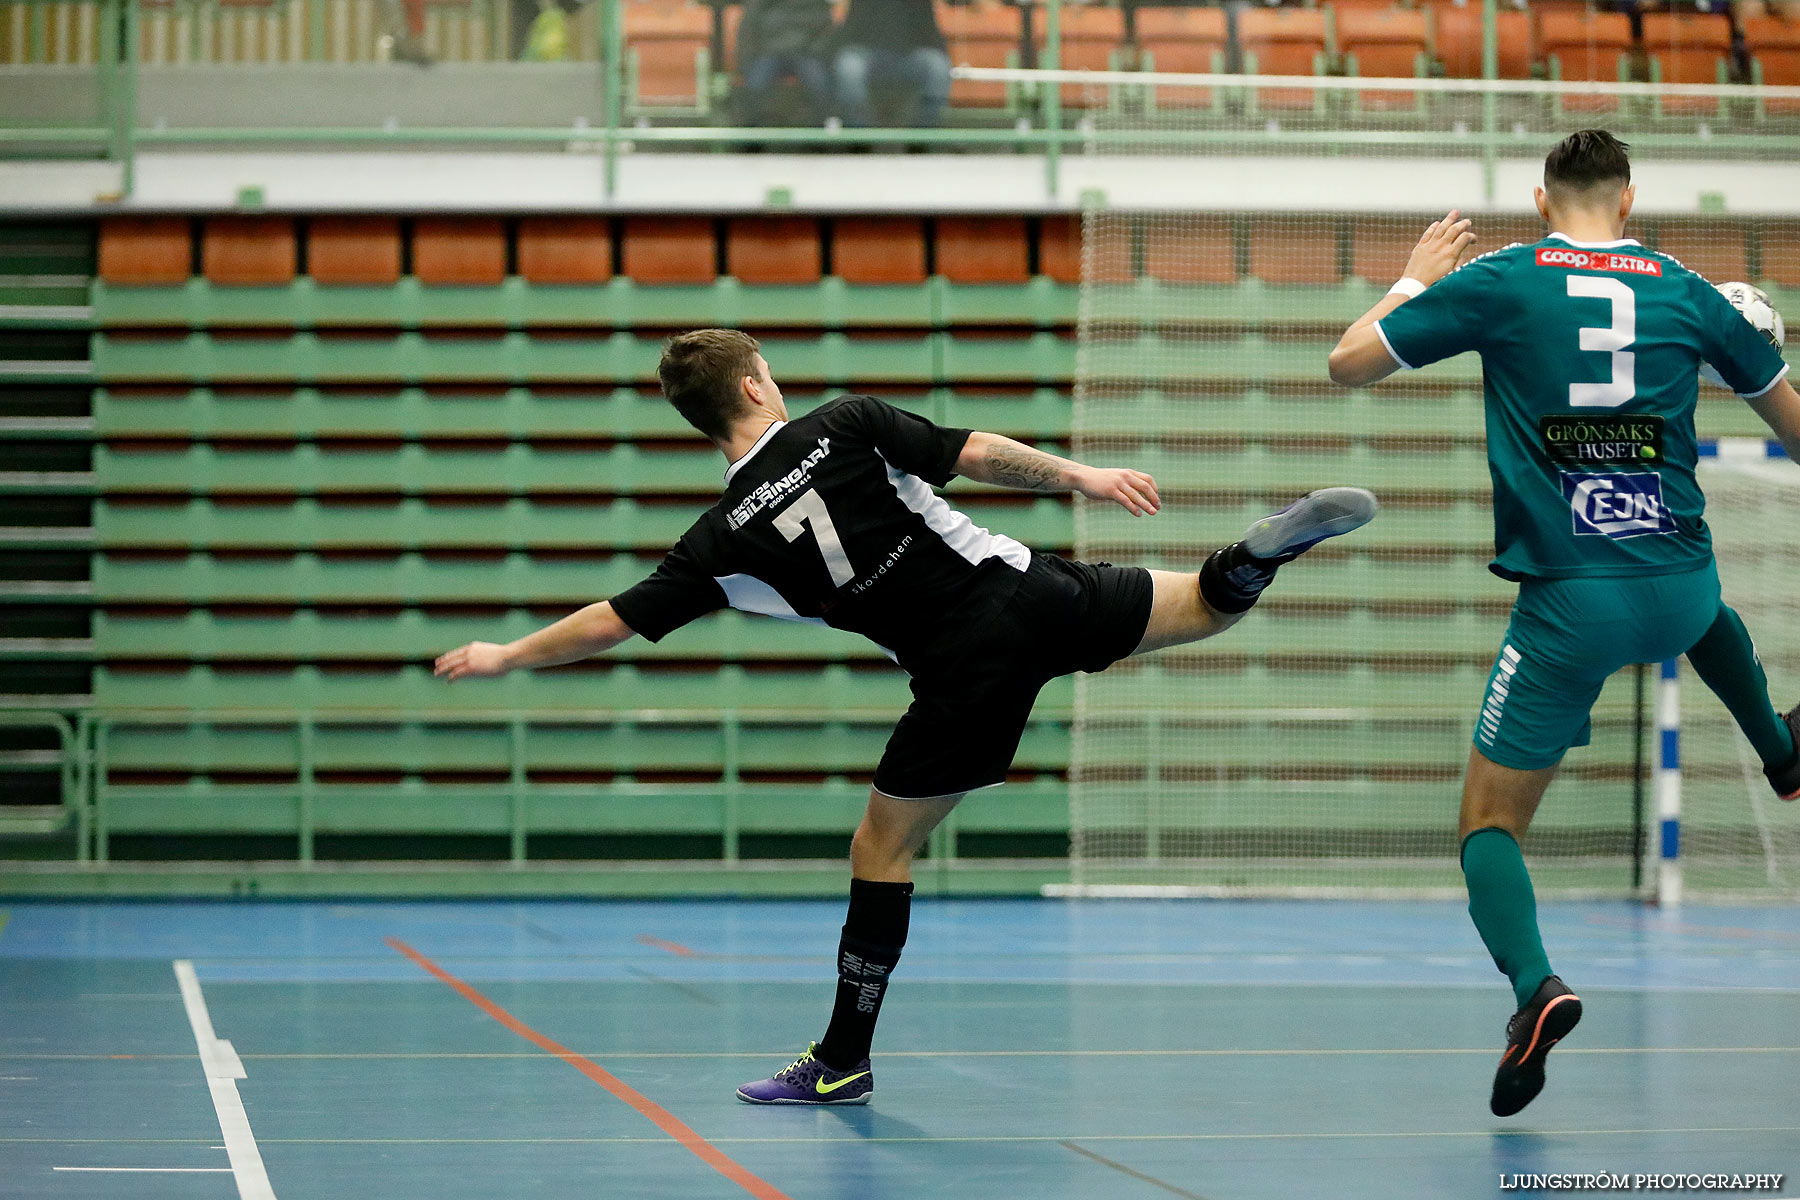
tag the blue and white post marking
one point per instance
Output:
(1668, 784)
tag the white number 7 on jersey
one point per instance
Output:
(1615, 338)
(809, 506)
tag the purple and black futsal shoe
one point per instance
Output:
(1552, 1011)
(808, 1081)
(1786, 779)
(1283, 536)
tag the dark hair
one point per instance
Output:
(702, 374)
(1585, 159)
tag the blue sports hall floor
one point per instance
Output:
(1034, 1049)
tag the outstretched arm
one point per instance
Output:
(1779, 407)
(593, 630)
(1361, 357)
(990, 458)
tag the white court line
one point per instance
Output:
(150, 1170)
(223, 1070)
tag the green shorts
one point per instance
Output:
(1566, 637)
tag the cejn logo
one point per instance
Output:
(1617, 506)
(1596, 260)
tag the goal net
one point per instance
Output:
(1318, 748)
(1737, 839)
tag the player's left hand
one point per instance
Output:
(477, 660)
(1440, 249)
(1133, 491)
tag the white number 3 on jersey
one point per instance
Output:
(1614, 338)
(809, 507)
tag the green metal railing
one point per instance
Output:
(722, 805)
(1482, 128)
(73, 763)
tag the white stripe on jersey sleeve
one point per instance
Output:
(747, 593)
(958, 532)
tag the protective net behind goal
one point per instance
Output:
(1318, 748)
(1738, 840)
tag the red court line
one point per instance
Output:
(659, 1116)
(665, 944)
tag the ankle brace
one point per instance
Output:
(1233, 579)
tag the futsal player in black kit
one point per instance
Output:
(831, 518)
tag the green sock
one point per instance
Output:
(1726, 661)
(1505, 908)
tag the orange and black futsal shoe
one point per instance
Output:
(1786, 779)
(1553, 1011)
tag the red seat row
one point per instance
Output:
(474, 251)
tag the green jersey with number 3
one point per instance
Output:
(1590, 353)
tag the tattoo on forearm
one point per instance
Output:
(1016, 466)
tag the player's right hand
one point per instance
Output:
(1133, 491)
(1440, 249)
(477, 660)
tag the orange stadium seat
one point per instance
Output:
(1284, 41)
(1293, 252)
(1718, 251)
(1092, 35)
(773, 249)
(145, 250)
(1494, 233)
(353, 250)
(670, 250)
(983, 250)
(459, 251)
(1586, 46)
(1190, 40)
(1383, 43)
(1203, 251)
(1774, 47)
(1380, 246)
(1060, 254)
(248, 251)
(665, 37)
(878, 249)
(734, 17)
(1688, 48)
(565, 249)
(1458, 41)
(983, 34)
(1781, 254)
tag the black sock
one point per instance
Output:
(1233, 578)
(874, 932)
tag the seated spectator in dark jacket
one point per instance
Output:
(892, 42)
(778, 39)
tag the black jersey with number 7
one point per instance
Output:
(831, 518)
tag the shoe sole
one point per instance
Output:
(1553, 1025)
(1327, 513)
(862, 1099)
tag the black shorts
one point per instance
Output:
(972, 698)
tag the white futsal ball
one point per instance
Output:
(1753, 302)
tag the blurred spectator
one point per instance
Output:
(405, 21)
(892, 43)
(540, 29)
(1787, 10)
(780, 39)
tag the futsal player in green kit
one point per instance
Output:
(1590, 346)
